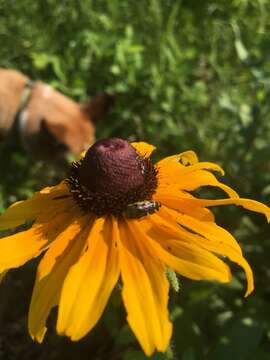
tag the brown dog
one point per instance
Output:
(46, 123)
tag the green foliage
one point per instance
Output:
(187, 75)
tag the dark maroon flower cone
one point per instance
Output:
(111, 176)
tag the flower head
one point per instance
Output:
(119, 216)
(111, 176)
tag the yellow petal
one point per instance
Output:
(41, 202)
(172, 219)
(248, 204)
(89, 282)
(82, 154)
(61, 187)
(185, 158)
(143, 148)
(204, 166)
(186, 258)
(145, 290)
(172, 172)
(17, 249)
(174, 200)
(52, 270)
(197, 179)
(206, 235)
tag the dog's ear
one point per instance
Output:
(98, 106)
(50, 137)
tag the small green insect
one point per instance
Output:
(142, 208)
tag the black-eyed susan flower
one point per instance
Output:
(119, 217)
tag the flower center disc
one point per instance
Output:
(111, 176)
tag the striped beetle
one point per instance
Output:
(141, 208)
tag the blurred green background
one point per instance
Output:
(187, 74)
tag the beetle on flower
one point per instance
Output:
(92, 241)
